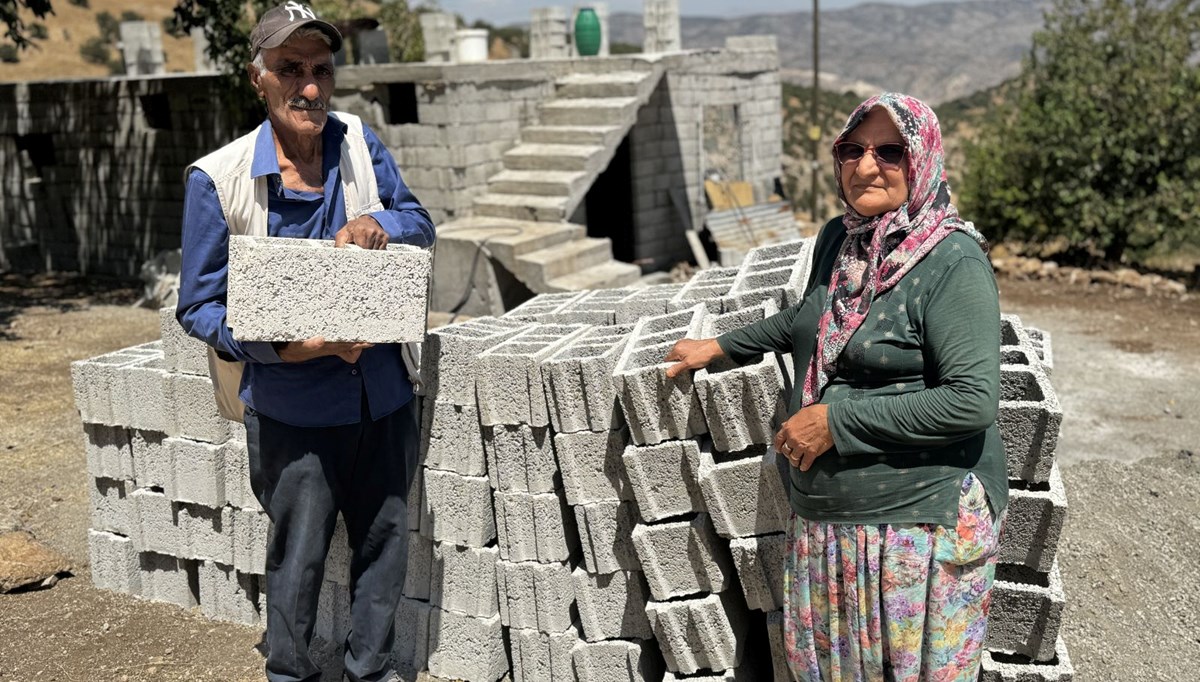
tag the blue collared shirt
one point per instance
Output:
(325, 391)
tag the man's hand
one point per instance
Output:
(363, 231)
(805, 436)
(316, 347)
(692, 354)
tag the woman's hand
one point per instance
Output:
(805, 436)
(692, 354)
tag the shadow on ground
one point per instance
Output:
(62, 291)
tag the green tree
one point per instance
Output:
(110, 28)
(9, 54)
(130, 15)
(38, 31)
(406, 42)
(1095, 143)
(95, 51)
(10, 15)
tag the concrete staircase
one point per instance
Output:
(547, 175)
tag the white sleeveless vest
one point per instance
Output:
(244, 203)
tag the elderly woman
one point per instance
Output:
(898, 484)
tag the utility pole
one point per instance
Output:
(814, 124)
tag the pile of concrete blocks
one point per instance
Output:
(173, 516)
(548, 34)
(1023, 640)
(576, 515)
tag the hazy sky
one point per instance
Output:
(503, 12)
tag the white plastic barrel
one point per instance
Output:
(471, 44)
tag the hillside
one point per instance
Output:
(938, 52)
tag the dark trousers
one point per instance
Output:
(303, 477)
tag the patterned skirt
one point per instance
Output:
(891, 602)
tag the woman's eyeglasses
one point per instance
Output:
(890, 154)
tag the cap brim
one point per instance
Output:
(280, 37)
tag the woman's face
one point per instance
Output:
(872, 188)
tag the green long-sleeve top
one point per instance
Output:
(913, 401)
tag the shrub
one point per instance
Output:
(9, 54)
(110, 28)
(95, 51)
(39, 31)
(79, 3)
(130, 15)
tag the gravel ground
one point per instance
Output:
(1127, 373)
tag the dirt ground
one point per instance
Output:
(1127, 372)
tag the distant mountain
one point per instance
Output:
(937, 52)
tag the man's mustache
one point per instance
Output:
(309, 104)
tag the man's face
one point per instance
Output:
(297, 85)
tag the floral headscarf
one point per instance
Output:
(880, 250)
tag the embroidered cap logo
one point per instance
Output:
(306, 12)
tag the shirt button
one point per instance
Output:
(354, 372)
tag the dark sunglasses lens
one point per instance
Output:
(891, 154)
(848, 151)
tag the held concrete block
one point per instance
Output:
(418, 578)
(411, 650)
(251, 532)
(682, 558)
(536, 596)
(448, 356)
(648, 302)
(606, 536)
(520, 458)
(1029, 421)
(999, 667)
(209, 532)
(181, 353)
(535, 527)
(1027, 609)
(195, 408)
(152, 463)
(1036, 513)
(663, 479)
(112, 508)
(466, 648)
(759, 562)
(114, 562)
(293, 289)
(708, 287)
(509, 382)
(579, 384)
(591, 466)
(166, 578)
(228, 595)
(109, 452)
(779, 660)
(617, 661)
(541, 657)
(463, 580)
(612, 606)
(199, 472)
(743, 491)
(459, 508)
(160, 530)
(657, 408)
(454, 441)
(707, 632)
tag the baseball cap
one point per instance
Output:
(279, 23)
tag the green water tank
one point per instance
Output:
(587, 32)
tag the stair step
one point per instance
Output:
(563, 259)
(594, 135)
(590, 111)
(509, 239)
(541, 182)
(610, 275)
(521, 207)
(617, 84)
(559, 157)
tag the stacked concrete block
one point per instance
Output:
(617, 661)
(683, 558)
(647, 302)
(744, 404)
(463, 580)
(293, 289)
(452, 438)
(657, 408)
(1027, 609)
(708, 287)
(535, 527)
(777, 273)
(226, 594)
(542, 657)
(703, 633)
(459, 508)
(1029, 419)
(520, 458)
(779, 661)
(591, 466)
(660, 19)
(466, 648)
(598, 307)
(545, 308)
(411, 651)
(438, 28)
(613, 605)
(743, 491)
(509, 382)
(1043, 347)
(536, 596)
(1000, 667)
(447, 357)
(548, 34)
(759, 561)
(664, 480)
(1036, 514)
(606, 536)
(579, 384)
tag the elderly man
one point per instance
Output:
(330, 427)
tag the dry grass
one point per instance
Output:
(70, 26)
